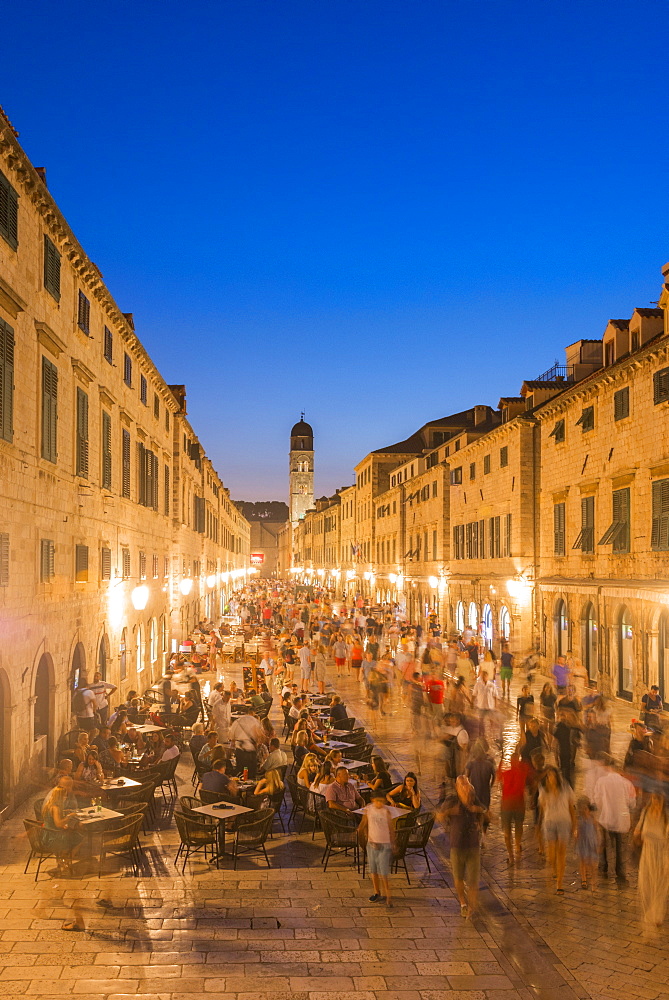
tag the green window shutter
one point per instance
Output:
(559, 529)
(84, 314)
(141, 473)
(51, 269)
(47, 560)
(167, 489)
(108, 349)
(621, 403)
(82, 434)
(661, 386)
(105, 564)
(6, 381)
(9, 212)
(660, 513)
(49, 410)
(126, 465)
(621, 518)
(106, 451)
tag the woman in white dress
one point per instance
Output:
(221, 716)
(652, 832)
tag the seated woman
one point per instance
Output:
(59, 835)
(302, 727)
(407, 794)
(308, 771)
(235, 693)
(300, 748)
(268, 786)
(197, 740)
(113, 757)
(189, 711)
(77, 753)
(324, 778)
(90, 769)
(120, 724)
(380, 779)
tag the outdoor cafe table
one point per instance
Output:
(111, 785)
(228, 811)
(335, 745)
(149, 729)
(333, 732)
(353, 765)
(90, 820)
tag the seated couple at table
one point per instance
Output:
(60, 822)
(223, 784)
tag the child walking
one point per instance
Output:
(587, 841)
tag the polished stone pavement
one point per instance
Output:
(293, 931)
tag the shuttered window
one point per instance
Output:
(559, 529)
(108, 348)
(486, 464)
(585, 540)
(125, 563)
(105, 563)
(456, 476)
(156, 405)
(9, 212)
(143, 394)
(154, 560)
(82, 434)
(660, 525)
(167, 419)
(142, 565)
(4, 559)
(503, 457)
(125, 486)
(47, 560)
(459, 541)
(127, 370)
(618, 533)
(51, 269)
(506, 536)
(106, 451)
(199, 514)
(6, 381)
(81, 563)
(558, 431)
(84, 314)
(472, 471)
(621, 403)
(167, 489)
(49, 411)
(661, 386)
(587, 419)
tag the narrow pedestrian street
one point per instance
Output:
(295, 931)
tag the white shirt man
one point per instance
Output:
(485, 694)
(614, 797)
(267, 664)
(304, 655)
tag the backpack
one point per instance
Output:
(78, 701)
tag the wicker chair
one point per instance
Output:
(345, 724)
(341, 834)
(402, 834)
(37, 806)
(122, 840)
(167, 773)
(310, 805)
(38, 849)
(291, 783)
(197, 833)
(276, 802)
(209, 798)
(419, 835)
(251, 832)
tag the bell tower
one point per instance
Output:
(301, 470)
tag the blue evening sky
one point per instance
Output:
(377, 211)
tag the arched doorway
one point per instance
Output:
(103, 657)
(504, 624)
(473, 617)
(5, 738)
(589, 640)
(42, 704)
(625, 654)
(460, 616)
(78, 665)
(139, 650)
(153, 641)
(562, 643)
(663, 654)
(486, 626)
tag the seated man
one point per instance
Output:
(337, 709)
(255, 700)
(276, 757)
(170, 748)
(342, 793)
(218, 781)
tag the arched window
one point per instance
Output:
(78, 664)
(153, 641)
(123, 649)
(504, 623)
(562, 643)
(103, 656)
(589, 640)
(663, 654)
(473, 616)
(486, 625)
(625, 653)
(139, 650)
(460, 616)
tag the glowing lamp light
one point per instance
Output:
(140, 597)
(186, 586)
(224, 577)
(433, 581)
(211, 580)
(366, 576)
(350, 573)
(321, 572)
(519, 589)
(392, 577)
(400, 580)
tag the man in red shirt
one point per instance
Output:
(512, 779)
(435, 693)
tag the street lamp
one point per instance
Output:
(186, 586)
(140, 597)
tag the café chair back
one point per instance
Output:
(197, 833)
(419, 835)
(341, 835)
(38, 845)
(122, 840)
(347, 724)
(251, 832)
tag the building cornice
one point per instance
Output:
(11, 300)
(48, 339)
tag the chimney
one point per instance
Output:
(130, 320)
(480, 414)
(179, 393)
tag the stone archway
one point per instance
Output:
(78, 666)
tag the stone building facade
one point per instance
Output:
(116, 533)
(544, 522)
